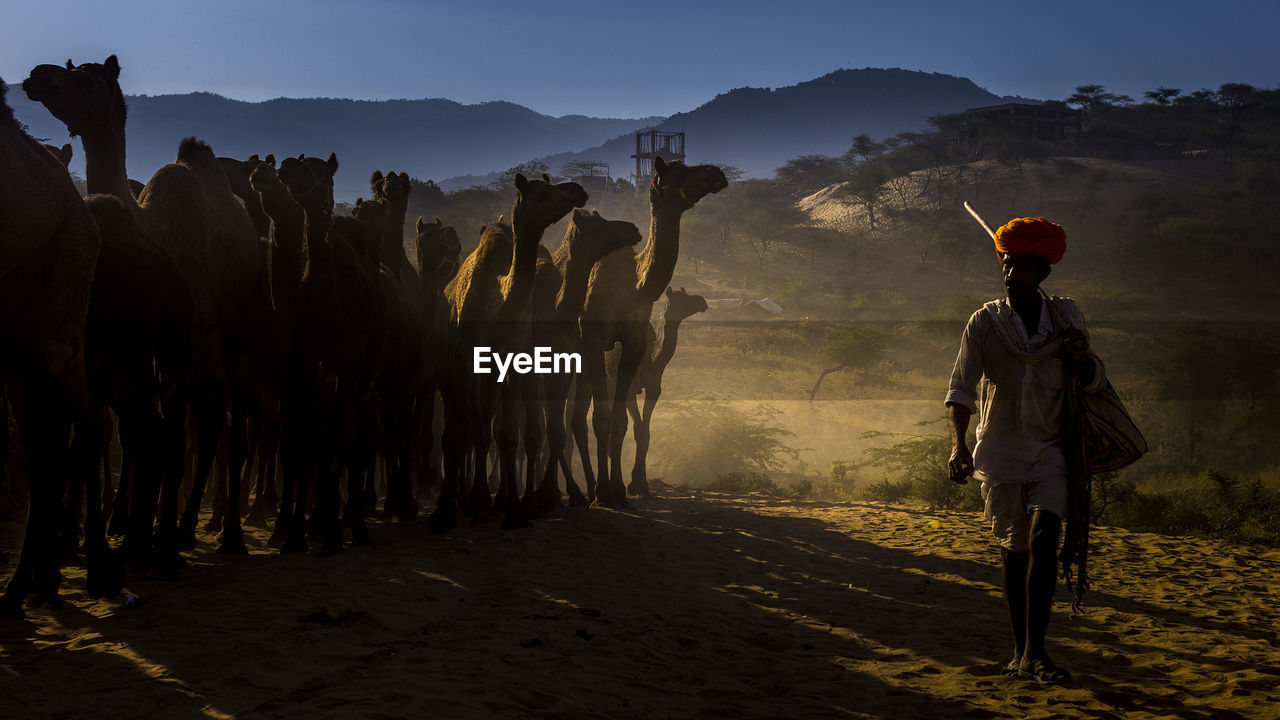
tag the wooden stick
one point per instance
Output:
(978, 217)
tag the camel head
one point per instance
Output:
(266, 182)
(63, 153)
(310, 180)
(680, 186)
(438, 248)
(681, 305)
(591, 236)
(87, 98)
(542, 203)
(394, 188)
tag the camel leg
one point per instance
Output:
(264, 491)
(578, 423)
(120, 505)
(632, 354)
(232, 531)
(639, 473)
(600, 417)
(454, 453)
(4, 440)
(549, 492)
(108, 489)
(105, 572)
(44, 424)
(171, 449)
(532, 440)
(480, 503)
(508, 496)
(210, 427)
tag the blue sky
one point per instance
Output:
(640, 58)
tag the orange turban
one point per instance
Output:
(1034, 236)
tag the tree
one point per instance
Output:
(761, 212)
(1162, 95)
(1092, 98)
(866, 188)
(864, 150)
(507, 180)
(809, 173)
(583, 168)
(854, 347)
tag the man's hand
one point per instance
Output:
(961, 465)
(1076, 344)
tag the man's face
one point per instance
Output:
(1022, 276)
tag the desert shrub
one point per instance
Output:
(695, 440)
(916, 465)
(1212, 505)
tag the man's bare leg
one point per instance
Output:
(1015, 594)
(1042, 576)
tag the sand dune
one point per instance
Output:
(692, 605)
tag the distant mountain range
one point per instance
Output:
(754, 129)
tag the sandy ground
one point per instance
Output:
(692, 605)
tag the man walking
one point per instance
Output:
(1012, 368)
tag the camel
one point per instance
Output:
(557, 303)
(648, 379)
(334, 346)
(402, 380)
(49, 247)
(137, 341)
(438, 250)
(188, 209)
(620, 297)
(238, 172)
(488, 298)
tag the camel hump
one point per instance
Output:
(192, 151)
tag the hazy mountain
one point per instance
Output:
(759, 129)
(432, 138)
(756, 129)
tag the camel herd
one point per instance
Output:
(222, 317)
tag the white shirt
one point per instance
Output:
(1016, 382)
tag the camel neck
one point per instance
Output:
(524, 261)
(286, 250)
(573, 290)
(104, 166)
(666, 344)
(657, 260)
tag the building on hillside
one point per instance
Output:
(594, 178)
(651, 144)
(1058, 125)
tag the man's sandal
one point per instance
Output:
(1014, 668)
(1044, 672)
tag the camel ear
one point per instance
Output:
(113, 67)
(375, 178)
(439, 222)
(546, 178)
(65, 153)
(596, 213)
(271, 159)
(668, 294)
(359, 201)
(659, 164)
(522, 182)
(404, 176)
(419, 225)
(70, 65)
(682, 292)
(332, 164)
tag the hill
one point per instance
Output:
(755, 129)
(431, 138)
(760, 129)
